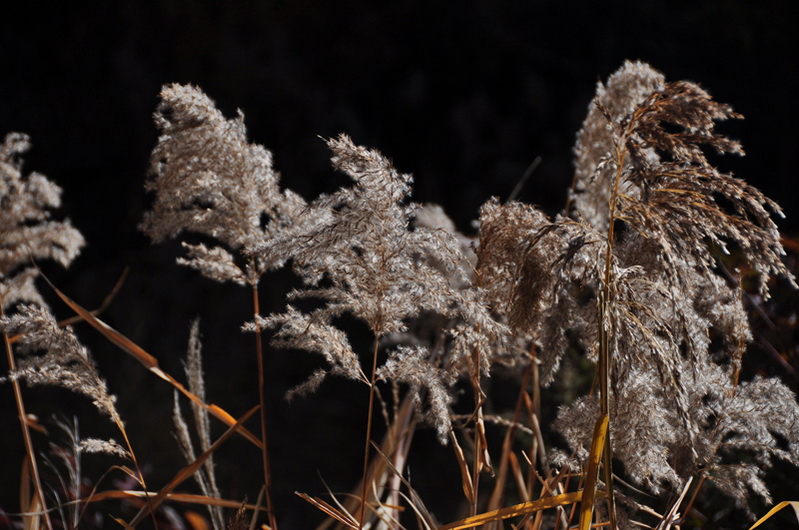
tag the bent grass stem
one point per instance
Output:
(26, 434)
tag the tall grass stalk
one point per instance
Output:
(262, 397)
(368, 436)
(605, 330)
(30, 453)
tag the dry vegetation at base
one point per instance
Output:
(645, 274)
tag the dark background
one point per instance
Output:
(463, 94)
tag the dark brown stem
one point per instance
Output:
(693, 498)
(262, 399)
(365, 484)
(479, 425)
(478, 444)
(26, 434)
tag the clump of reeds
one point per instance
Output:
(630, 275)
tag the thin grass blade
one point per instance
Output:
(671, 517)
(466, 476)
(329, 510)
(186, 498)
(149, 362)
(123, 524)
(589, 488)
(189, 470)
(416, 503)
(771, 512)
(515, 510)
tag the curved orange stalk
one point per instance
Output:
(26, 434)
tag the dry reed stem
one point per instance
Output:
(592, 475)
(342, 517)
(151, 363)
(521, 484)
(186, 498)
(26, 435)
(372, 390)
(262, 398)
(775, 509)
(698, 487)
(516, 510)
(482, 460)
(466, 476)
(604, 337)
(96, 312)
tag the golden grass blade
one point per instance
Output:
(555, 483)
(33, 477)
(186, 498)
(518, 477)
(524, 491)
(329, 510)
(540, 448)
(28, 500)
(129, 472)
(482, 456)
(123, 524)
(25, 486)
(102, 307)
(188, 471)
(771, 512)
(104, 304)
(195, 521)
(513, 511)
(466, 476)
(149, 362)
(597, 445)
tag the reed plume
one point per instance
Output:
(631, 272)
